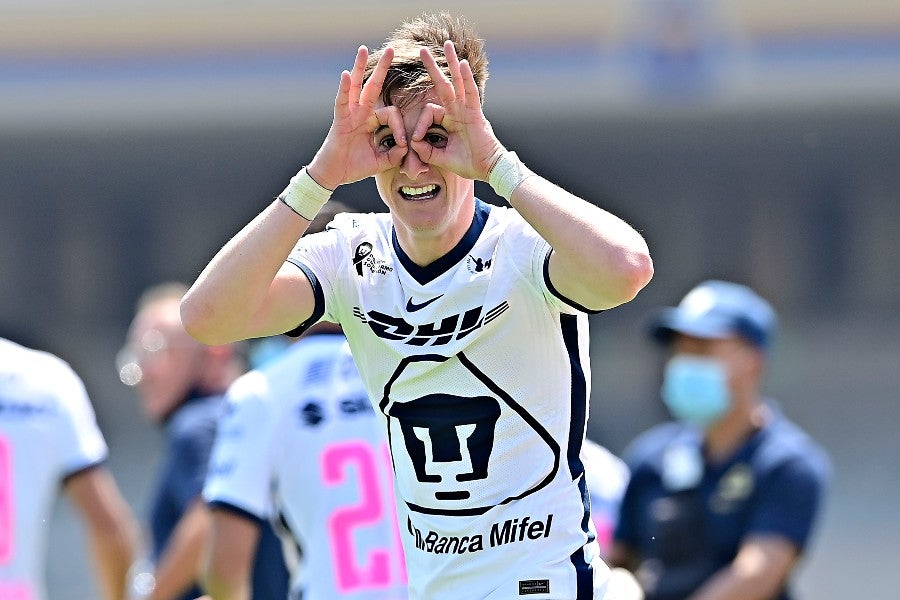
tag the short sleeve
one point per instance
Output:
(789, 500)
(528, 253)
(242, 464)
(80, 443)
(319, 256)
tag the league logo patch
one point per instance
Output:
(363, 251)
(478, 265)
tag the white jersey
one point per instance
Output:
(47, 433)
(607, 478)
(482, 372)
(300, 440)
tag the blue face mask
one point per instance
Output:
(695, 389)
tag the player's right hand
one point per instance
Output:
(349, 153)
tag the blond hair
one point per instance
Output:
(407, 77)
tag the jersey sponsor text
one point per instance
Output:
(501, 533)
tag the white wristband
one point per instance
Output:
(507, 174)
(304, 195)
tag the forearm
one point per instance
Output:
(222, 586)
(727, 585)
(177, 572)
(225, 302)
(229, 565)
(599, 260)
(179, 567)
(758, 572)
(112, 532)
(113, 551)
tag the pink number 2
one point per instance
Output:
(9, 590)
(376, 570)
(7, 525)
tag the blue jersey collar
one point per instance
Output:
(443, 264)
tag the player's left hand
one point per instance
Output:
(471, 148)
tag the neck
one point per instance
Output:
(424, 249)
(725, 436)
(424, 246)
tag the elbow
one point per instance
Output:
(635, 274)
(641, 272)
(198, 319)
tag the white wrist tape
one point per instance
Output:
(507, 174)
(304, 195)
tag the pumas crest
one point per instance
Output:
(477, 264)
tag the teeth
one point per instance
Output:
(418, 191)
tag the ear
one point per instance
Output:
(756, 359)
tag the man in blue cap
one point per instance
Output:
(721, 502)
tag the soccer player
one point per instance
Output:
(722, 501)
(304, 427)
(468, 322)
(337, 503)
(48, 437)
(181, 385)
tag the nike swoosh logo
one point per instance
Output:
(413, 307)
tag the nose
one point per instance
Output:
(412, 166)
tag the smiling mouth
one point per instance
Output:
(425, 192)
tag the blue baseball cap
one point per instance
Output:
(717, 309)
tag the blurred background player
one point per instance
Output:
(48, 437)
(300, 442)
(721, 502)
(181, 385)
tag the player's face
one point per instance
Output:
(168, 360)
(428, 204)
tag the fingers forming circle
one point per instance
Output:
(390, 117)
(432, 114)
(442, 86)
(356, 74)
(456, 78)
(371, 91)
(468, 81)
